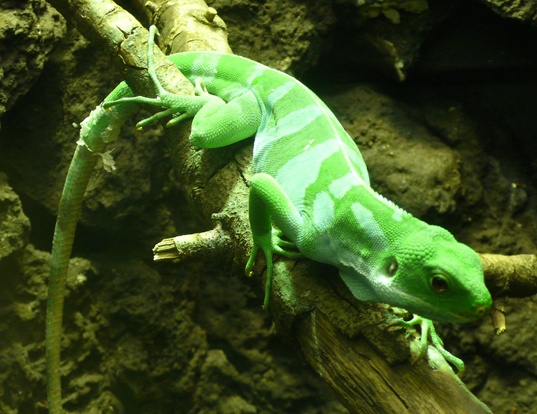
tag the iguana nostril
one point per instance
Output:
(481, 310)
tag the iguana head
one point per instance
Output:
(423, 270)
(436, 277)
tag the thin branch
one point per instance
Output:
(512, 276)
(209, 245)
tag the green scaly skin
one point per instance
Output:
(311, 182)
(100, 128)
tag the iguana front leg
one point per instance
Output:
(269, 203)
(428, 331)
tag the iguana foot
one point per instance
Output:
(179, 107)
(428, 331)
(270, 244)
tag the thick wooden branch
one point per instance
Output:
(355, 337)
(367, 384)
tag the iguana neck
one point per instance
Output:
(364, 233)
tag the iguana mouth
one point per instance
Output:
(434, 312)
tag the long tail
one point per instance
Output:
(101, 127)
(68, 214)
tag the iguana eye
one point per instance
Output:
(439, 284)
(392, 267)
